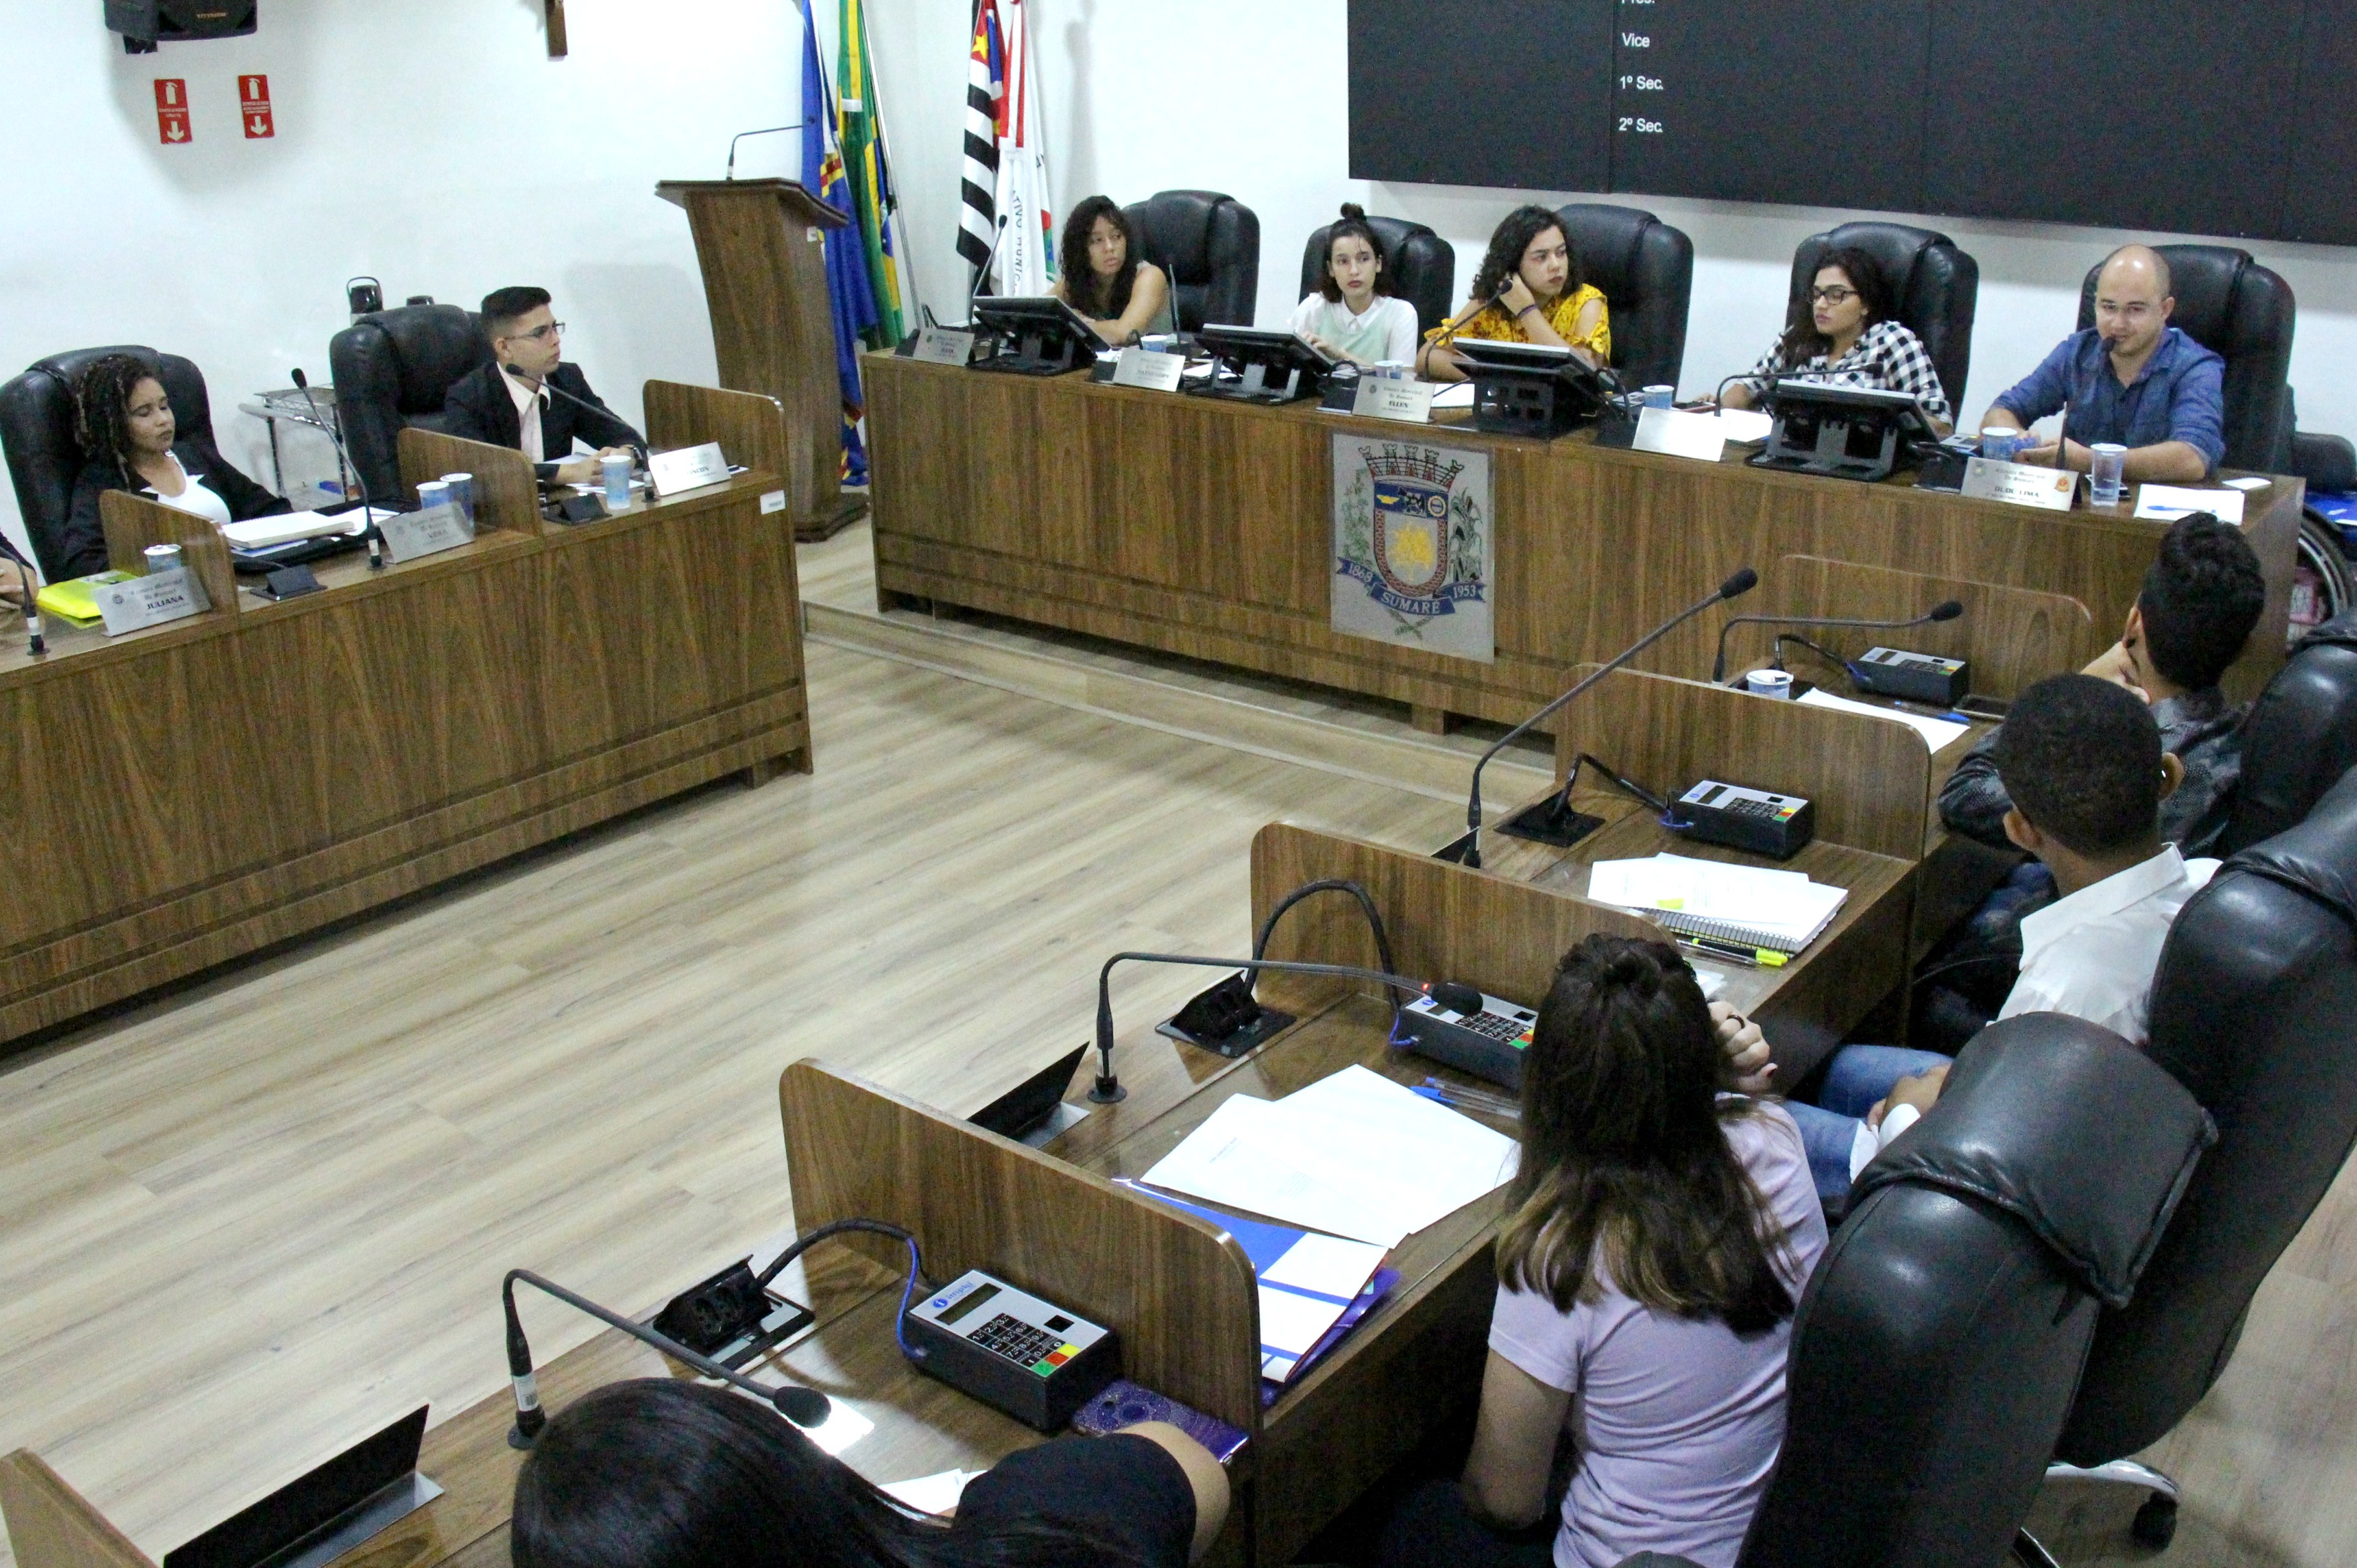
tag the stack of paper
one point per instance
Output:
(1354, 1155)
(1937, 733)
(1748, 904)
(265, 532)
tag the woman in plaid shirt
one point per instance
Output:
(1845, 330)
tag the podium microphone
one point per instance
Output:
(765, 131)
(803, 1407)
(373, 534)
(1947, 610)
(1456, 998)
(1742, 582)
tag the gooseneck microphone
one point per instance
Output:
(765, 131)
(1450, 329)
(1454, 997)
(1742, 582)
(548, 384)
(35, 643)
(1947, 610)
(981, 271)
(372, 533)
(803, 1407)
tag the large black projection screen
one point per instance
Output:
(2230, 117)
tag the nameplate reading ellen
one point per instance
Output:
(151, 601)
(1388, 397)
(2022, 484)
(940, 346)
(428, 532)
(1144, 368)
(1674, 433)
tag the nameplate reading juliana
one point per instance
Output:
(1386, 397)
(151, 601)
(2021, 484)
(940, 346)
(427, 531)
(1674, 433)
(1144, 368)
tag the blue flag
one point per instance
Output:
(847, 283)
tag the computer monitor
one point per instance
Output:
(1844, 432)
(1253, 366)
(1533, 389)
(1034, 335)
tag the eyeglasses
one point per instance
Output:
(542, 333)
(1834, 295)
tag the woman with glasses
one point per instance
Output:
(1844, 329)
(1528, 289)
(528, 398)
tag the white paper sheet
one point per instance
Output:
(287, 528)
(1937, 733)
(1457, 395)
(1233, 1158)
(932, 1494)
(1325, 1264)
(1774, 902)
(1417, 1158)
(1744, 423)
(1291, 1323)
(2169, 503)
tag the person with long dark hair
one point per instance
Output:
(1844, 329)
(1354, 315)
(130, 441)
(1102, 274)
(1661, 1233)
(1528, 289)
(658, 1473)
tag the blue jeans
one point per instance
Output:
(1856, 1079)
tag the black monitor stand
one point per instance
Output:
(1861, 445)
(1518, 401)
(1041, 352)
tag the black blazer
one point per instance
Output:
(84, 545)
(478, 408)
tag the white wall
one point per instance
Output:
(431, 143)
(1254, 101)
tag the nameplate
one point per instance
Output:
(425, 532)
(940, 346)
(1144, 368)
(2021, 484)
(1386, 397)
(688, 469)
(774, 500)
(1674, 433)
(151, 601)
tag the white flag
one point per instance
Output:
(1026, 250)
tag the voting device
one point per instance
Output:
(1011, 1350)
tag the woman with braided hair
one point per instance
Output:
(132, 442)
(1664, 1224)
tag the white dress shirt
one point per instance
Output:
(2093, 955)
(529, 401)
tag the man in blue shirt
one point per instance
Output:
(2132, 378)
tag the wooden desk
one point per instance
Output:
(1202, 527)
(199, 790)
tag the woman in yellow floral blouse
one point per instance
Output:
(1527, 290)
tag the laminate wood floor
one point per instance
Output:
(242, 1225)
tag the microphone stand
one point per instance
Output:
(765, 131)
(1742, 582)
(370, 531)
(982, 273)
(1948, 610)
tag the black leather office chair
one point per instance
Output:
(2300, 737)
(2251, 1011)
(1939, 1341)
(2244, 313)
(1211, 245)
(1646, 270)
(1937, 285)
(391, 369)
(45, 455)
(1421, 265)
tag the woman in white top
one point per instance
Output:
(1105, 277)
(1845, 330)
(1354, 315)
(132, 442)
(1662, 1234)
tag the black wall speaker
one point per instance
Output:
(144, 24)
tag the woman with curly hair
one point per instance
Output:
(1661, 1230)
(130, 442)
(1528, 289)
(1845, 328)
(1102, 275)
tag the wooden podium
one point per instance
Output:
(759, 243)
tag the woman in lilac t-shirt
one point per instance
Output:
(1662, 1233)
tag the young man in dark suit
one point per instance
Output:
(510, 402)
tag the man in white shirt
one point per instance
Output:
(2082, 760)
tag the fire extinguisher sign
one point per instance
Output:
(172, 110)
(253, 107)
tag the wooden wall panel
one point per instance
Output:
(507, 496)
(133, 522)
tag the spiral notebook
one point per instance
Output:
(1754, 906)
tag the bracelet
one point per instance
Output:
(1525, 310)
